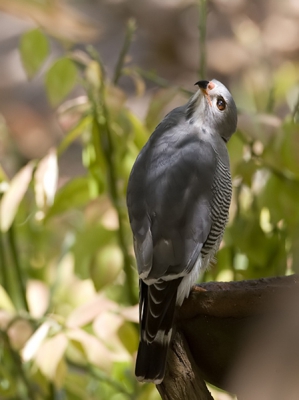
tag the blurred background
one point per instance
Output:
(82, 86)
(250, 46)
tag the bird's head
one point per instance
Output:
(213, 106)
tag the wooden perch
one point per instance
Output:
(236, 335)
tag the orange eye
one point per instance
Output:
(221, 104)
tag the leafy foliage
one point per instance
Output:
(68, 293)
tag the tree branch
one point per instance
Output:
(231, 335)
(182, 380)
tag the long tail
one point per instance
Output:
(156, 313)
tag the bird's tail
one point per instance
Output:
(156, 312)
(151, 362)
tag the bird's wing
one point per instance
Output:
(169, 199)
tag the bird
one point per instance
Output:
(178, 198)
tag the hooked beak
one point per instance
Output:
(204, 86)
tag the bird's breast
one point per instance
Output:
(222, 192)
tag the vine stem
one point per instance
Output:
(108, 150)
(164, 83)
(131, 28)
(3, 269)
(202, 8)
(102, 121)
(17, 266)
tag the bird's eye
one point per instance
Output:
(221, 104)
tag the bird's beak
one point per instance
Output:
(205, 86)
(202, 84)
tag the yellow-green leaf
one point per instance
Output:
(73, 194)
(34, 49)
(129, 337)
(60, 80)
(108, 264)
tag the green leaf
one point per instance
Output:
(60, 80)
(289, 150)
(14, 195)
(281, 197)
(235, 148)
(246, 169)
(34, 49)
(3, 176)
(285, 78)
(88, 242)
(74, 194)
(76, 352)
(141, 134)
(264, 252)
(106, 266)
(129, 337)
(82, 126)
(5, 301)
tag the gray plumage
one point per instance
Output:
(178, 199)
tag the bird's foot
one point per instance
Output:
(198, 288)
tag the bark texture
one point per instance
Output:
(240, 336)
(183, 379)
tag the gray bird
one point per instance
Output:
(178, 199)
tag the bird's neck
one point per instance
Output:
(196, 112)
